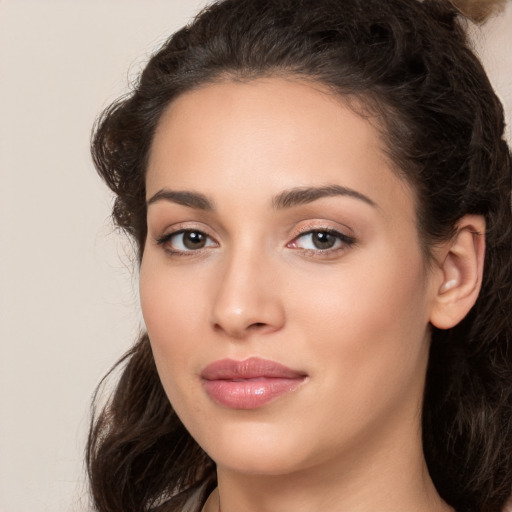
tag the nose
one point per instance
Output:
(247, 298)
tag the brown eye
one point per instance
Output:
(186, 240)
(194, 239)
(323, 239)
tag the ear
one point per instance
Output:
(461, 263)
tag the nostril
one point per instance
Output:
(257, 325)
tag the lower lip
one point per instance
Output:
(250, 393)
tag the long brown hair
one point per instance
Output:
(408, 63)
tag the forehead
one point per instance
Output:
(265, 135)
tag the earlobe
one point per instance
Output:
(461, 265)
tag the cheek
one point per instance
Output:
(169, 297)
(369, 322)
(170, 309)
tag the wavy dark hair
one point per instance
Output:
(408, 64)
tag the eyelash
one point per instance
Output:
(165, 239)
(342, 240)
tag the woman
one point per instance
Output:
(320, 195)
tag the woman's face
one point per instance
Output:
(282, 283)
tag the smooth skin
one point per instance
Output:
(331, 282)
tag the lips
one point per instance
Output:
(250, 383)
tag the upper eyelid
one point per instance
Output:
(342, 236)
(323, 225)
(169, 234)
(309, 230)
(180, 227)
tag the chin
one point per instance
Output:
(262, 463)
(257, 449)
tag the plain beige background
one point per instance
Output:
(68, 301)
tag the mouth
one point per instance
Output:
(249, 384)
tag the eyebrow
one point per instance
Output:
(304, 195)
(286, 199)
(182, 197)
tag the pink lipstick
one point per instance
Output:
(248, 384)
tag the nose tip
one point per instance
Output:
(247, 302)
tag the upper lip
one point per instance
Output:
(252, 368)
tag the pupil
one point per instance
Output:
(194, 240)
(323, 240)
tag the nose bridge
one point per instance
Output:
(247, 297)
